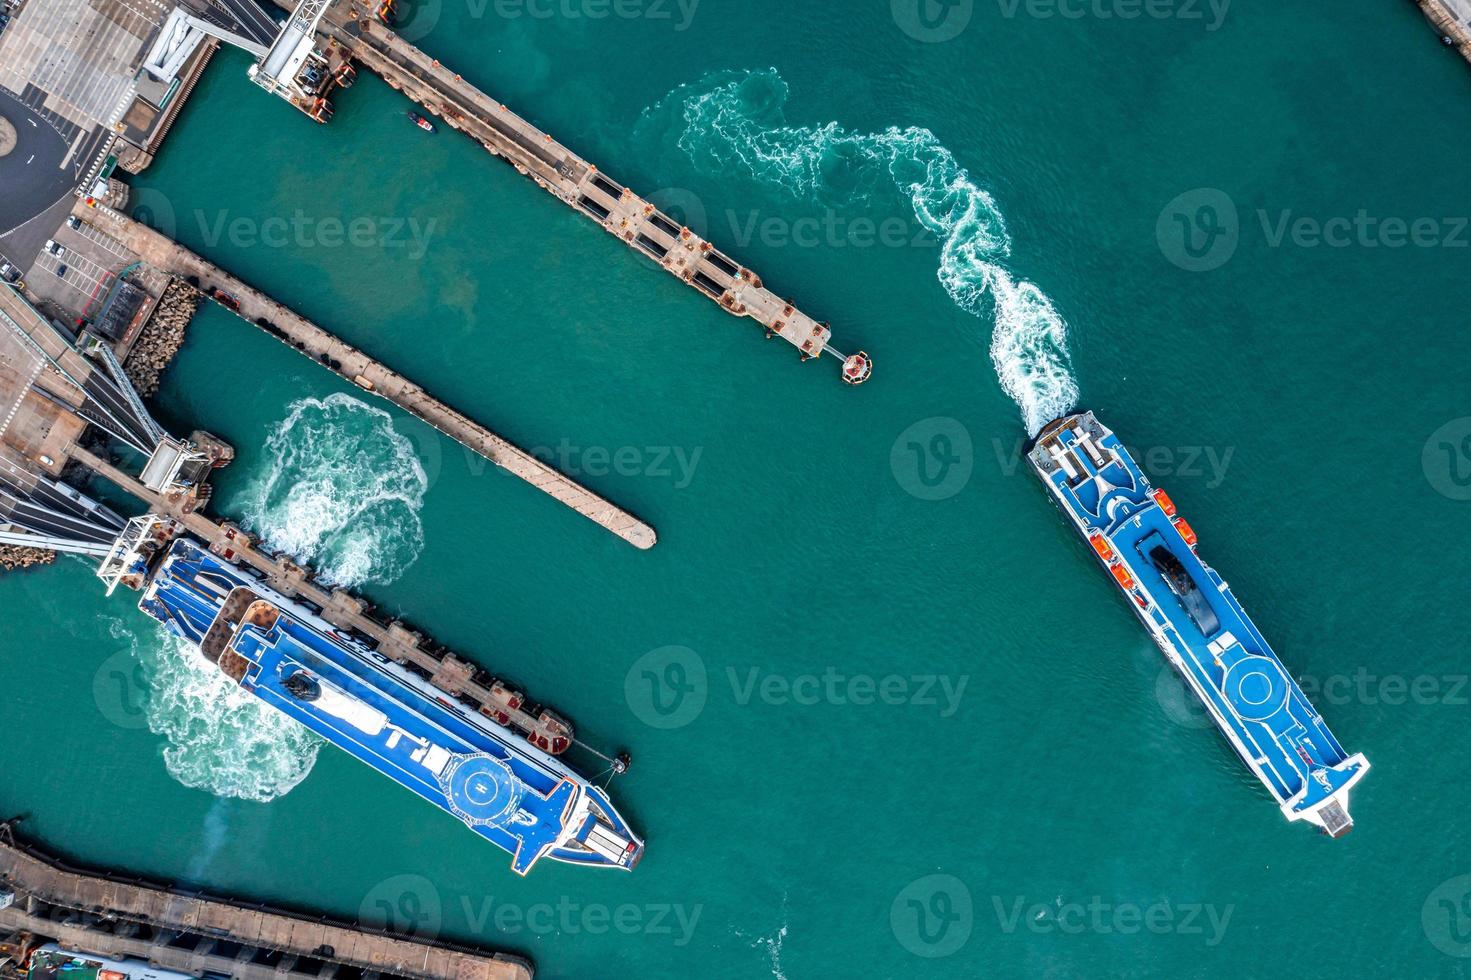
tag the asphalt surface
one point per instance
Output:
(250, 19)
(22, 246)
(31, 177)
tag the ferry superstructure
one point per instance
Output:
(1150, 552)
(520, 798)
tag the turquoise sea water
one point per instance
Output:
(1038, 799)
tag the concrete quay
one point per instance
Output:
(578, 183)
(124, 917)
(258, 309)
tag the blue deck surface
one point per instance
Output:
(508, 793)
(1229, 663)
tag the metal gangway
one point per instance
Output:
(287, 62)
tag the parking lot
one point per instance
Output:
(91, 261)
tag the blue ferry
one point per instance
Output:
(511, 793)
(1150, 552)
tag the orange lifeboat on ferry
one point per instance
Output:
(1121, 575)
(1101, 546)
(1186, 531)
(1165, 503)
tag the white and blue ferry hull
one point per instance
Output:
(525, 801)
(1197, 623)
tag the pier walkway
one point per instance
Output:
(109, 915)
(578, 183)
(258, 309)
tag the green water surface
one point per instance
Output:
(1295, 398)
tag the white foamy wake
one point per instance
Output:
(736, 120)
(220, 739)
(772, 944)
(342, 493)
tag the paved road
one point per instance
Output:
(32, 175)
(22, 246)
(251, 19)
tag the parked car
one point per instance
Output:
(60, 271)
(74, 222)
(55, 248)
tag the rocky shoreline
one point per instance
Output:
(161, 337)
(14, 558)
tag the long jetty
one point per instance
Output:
(351, 364)
(354, 34)
(113, 915)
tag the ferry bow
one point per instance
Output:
(1150, 552)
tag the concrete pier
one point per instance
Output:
(258, 309)
(1452, 18)
(123, 917)
(58, 402)
(578, 183)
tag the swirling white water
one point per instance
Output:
(343, 491)
(736, 121)
(219, 739)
